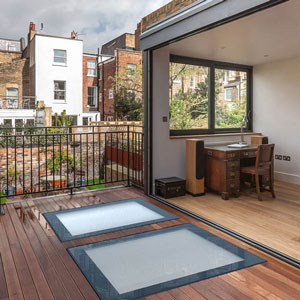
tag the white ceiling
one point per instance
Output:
(274, 32)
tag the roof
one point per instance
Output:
(10, 40)
(57, 37)
(199, 16)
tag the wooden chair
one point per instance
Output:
(264, 166)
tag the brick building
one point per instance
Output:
(164, 11)
(90, 95)
(124, 51)
(15, 91)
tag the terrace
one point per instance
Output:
(35, 264)
(92, 244)
(15, 102)
(38, 169)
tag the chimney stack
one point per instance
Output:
(32, 31)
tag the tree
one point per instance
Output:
(126, 106)
(128, 90)
(63, 120)
(188, 107)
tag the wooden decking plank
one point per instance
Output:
(45, 263)
(57, 262)
(286, 289)
(178, 294)
(15, 237)
(252, 283)
(204, 289)
(3, 286)
(12, 280)
(85, 288)
(38, 277)
(244, 288)
(266, 285)
(192, 293)
(165, 296)
(227, 289)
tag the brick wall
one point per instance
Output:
(34, 164)
(109, 70)
(6, 57)
(15, 74)
(108, 73)
(138, 32)
(130, 40)
(129, 57)
(88, 81)
(164, 11)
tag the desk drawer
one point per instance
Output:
(233, 155)
(234, 164)
(233, 184)
(233, 173)
(248, 154)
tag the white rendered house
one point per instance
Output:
(56, 65)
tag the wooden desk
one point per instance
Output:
(222, 168)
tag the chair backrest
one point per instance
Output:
(265, 155)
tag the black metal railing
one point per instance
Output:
(53, 159)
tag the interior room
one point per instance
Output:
(263, 48)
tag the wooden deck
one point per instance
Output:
(35, 264)
(273, 222)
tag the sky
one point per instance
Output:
(98, 21)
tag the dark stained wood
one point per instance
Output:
(3, 286)
(36, 265)
(223, 165)
(263, 167)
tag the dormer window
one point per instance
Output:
(60, 57)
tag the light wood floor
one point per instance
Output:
(273, 222)
(35, 265)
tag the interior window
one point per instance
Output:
(230, 98)
(208, 97)
(188, 96)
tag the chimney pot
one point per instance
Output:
(32, 26)
(73, 35)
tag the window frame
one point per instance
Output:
(60, 63)
(95, 88)
(10, 89)
(228, 99)
(111, 94)
(65, 92)
(94, 69)
(212, 65)
(11, 48)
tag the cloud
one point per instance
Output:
(97, 20)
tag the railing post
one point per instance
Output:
(128, 157)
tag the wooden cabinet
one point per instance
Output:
(222, 169)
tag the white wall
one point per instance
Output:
(277, 112)
(168, 154)
(47, 72)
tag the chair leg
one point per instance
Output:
(272, 184)
(258, 187)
